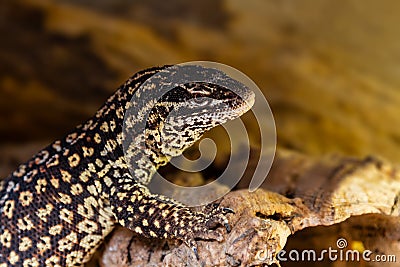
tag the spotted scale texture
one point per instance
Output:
(57, 208)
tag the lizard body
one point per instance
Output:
(57, 208)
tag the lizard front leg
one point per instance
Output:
(157, 216)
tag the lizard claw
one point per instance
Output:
(227, 227)
(215, 205)
(194, 249)
(228, 210)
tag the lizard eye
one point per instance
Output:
(200, 101)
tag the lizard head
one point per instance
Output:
(182, 115)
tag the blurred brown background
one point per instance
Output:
(330, 71)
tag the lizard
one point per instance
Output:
(57, 208)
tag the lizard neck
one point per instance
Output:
(127, 150)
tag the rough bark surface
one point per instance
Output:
(319, 192)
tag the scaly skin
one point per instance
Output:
(58, 207)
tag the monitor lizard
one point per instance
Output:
(57, 208)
